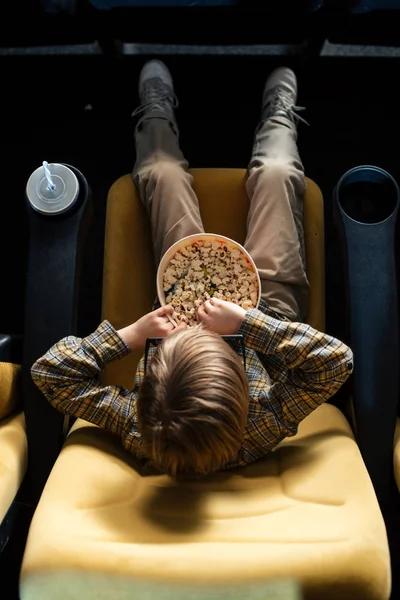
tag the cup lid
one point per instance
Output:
(47, 201)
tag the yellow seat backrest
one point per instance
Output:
(129, 268)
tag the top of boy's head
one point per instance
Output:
(192, 405)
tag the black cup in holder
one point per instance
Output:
(366, 204)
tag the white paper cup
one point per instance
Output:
(191, 239)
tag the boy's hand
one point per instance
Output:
(222, 317)
(154, 324)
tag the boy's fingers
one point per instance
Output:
(201, 314)
(203, 319)
(207, 306)
(218, 303)
(165, 310)
(179, 327)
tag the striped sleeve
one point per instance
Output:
(67, 377)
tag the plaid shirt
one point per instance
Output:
(291, 368)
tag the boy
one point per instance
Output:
(196, 410)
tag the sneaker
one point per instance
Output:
(280, 96)
(156, 93)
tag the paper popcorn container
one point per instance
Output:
(191, 239)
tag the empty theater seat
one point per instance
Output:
(109, 527)
(13, 444)
(397, 454)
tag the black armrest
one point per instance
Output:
(11, 348)
(54, 265)
(366, 206)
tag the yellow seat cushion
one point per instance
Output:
(107, 528)
(9, 388)
(13, 459)
(13, 442)
(397, 453)
(129, 269)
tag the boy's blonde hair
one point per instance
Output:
(192, 404)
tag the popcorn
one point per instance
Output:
(206, 270)
(253, 297)
(247, 304)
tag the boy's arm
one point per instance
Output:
(308, 366)
(67, 377)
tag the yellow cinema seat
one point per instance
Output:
(397, 453)
(107, 527)
(13, 442)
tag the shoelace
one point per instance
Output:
(282, 101)
(156, 93)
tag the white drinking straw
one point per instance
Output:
(50, 182)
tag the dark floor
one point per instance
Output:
(77, 110)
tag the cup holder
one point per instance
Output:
(366, 202)
(367, 195)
